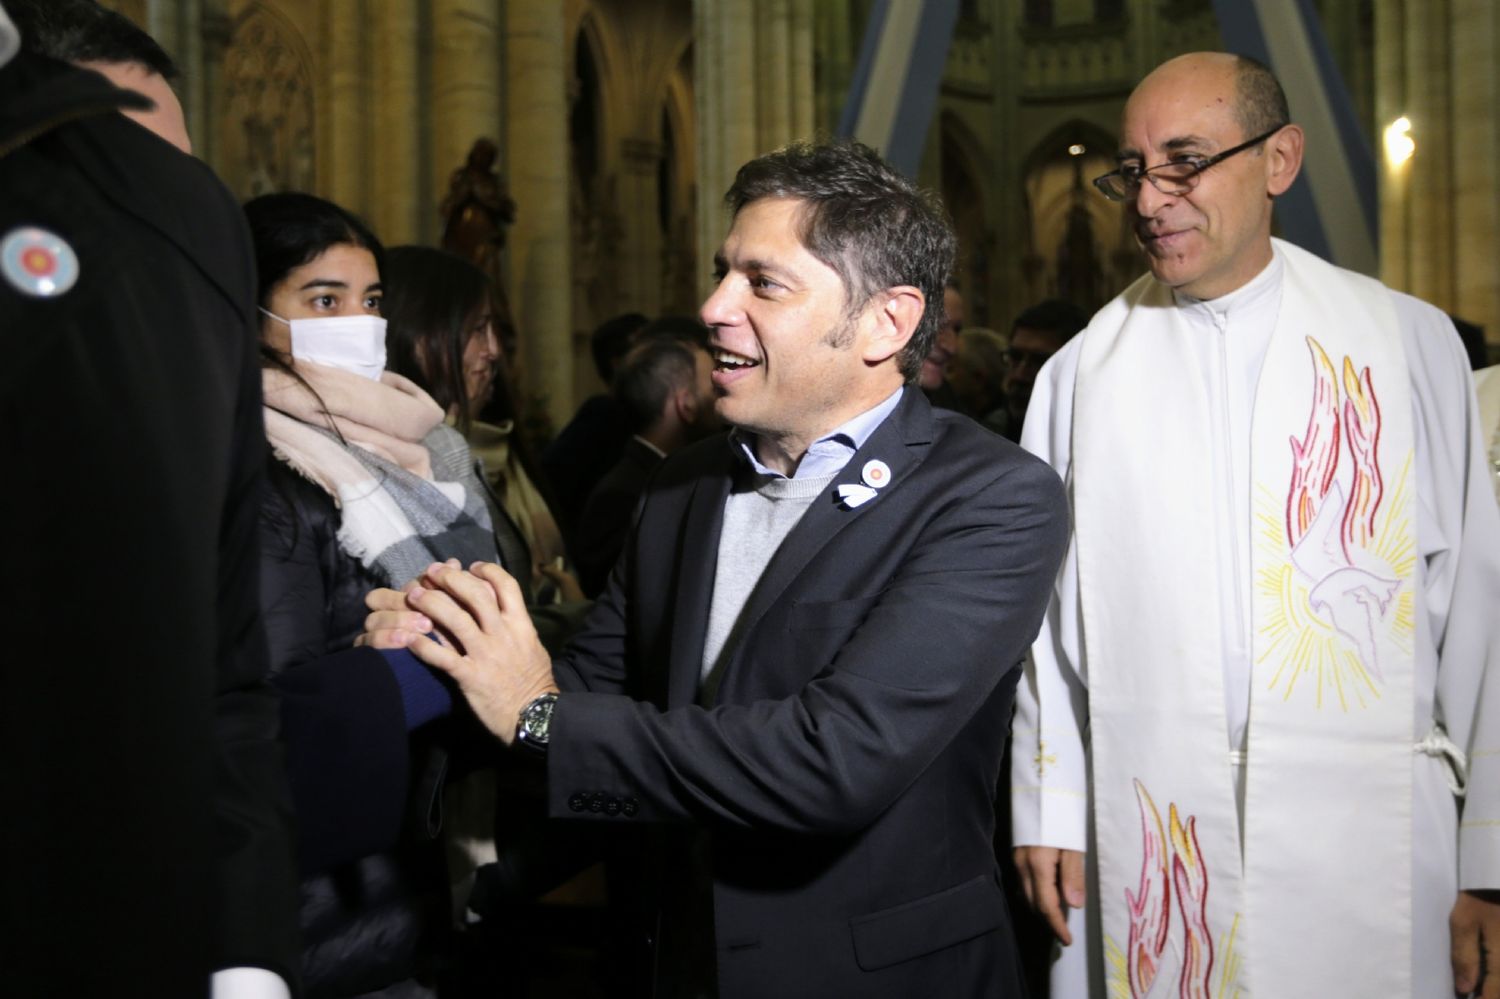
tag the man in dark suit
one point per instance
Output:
(584, 449)
(804, 662)
(147, 840)
(665, 388)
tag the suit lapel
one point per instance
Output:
(698, 562)
(900, 442)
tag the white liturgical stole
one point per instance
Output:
(1189, 907)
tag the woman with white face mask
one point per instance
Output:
(367, 487)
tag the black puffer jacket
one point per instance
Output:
(312, 592)
(369, 923)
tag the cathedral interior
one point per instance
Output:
(616, 125)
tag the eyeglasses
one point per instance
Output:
(1175, 178)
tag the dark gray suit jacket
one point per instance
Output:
(842, 787)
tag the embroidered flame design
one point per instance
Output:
(1315, 458)
(1150, 905)
(1191, 878)
(1362, 426)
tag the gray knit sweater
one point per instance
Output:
(757, 518)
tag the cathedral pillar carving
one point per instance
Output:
(1475, 31)
(466, 85)
(344, 110)
(640, 202)
(1009, 273)
(536, 141)
(1440, 210)
(177, 27)
(216, 33)
(396, 179)
(753, 67)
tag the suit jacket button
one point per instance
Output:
(596, 801)
(578, 802)
(612, 806)
(630, 806)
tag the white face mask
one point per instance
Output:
(351, 343)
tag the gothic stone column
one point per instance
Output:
(537, 167)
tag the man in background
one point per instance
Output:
(665, 388)
(976, 374)
(1037, 334)
(575, 460)
(934, 376)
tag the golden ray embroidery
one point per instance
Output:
(1229, 970)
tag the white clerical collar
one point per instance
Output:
(830, 453)
(1258, 291)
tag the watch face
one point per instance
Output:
(536, 720)
(540, 721)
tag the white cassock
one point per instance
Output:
(1261, 679)
(1487, 385)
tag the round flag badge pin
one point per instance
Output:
(876, 473)
(38, 263)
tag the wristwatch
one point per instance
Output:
(533, 728)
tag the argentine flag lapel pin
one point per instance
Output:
(874, 477)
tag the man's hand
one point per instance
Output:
(1475, 932)
(495, 656)
(1052, 878)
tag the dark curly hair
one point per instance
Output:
(874, 227)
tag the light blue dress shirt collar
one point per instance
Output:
(830, 453)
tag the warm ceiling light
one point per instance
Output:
(1076, 149)
(1399, 145)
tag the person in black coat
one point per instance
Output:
(147, 838)
(593, 439)
(665, 389)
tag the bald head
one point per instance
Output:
(1199, 84)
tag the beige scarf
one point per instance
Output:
(402, 480)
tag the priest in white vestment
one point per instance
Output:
(1255, 751)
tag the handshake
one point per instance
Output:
(474, 626)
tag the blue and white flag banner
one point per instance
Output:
(1332, 208)
(895, 86)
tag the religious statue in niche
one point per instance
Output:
(477, 209)
(265, 143)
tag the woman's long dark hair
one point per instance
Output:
(432, 300)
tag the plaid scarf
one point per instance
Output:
(403, 481)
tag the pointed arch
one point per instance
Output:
(267, 140)
(965, 195)
(1077, 246)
